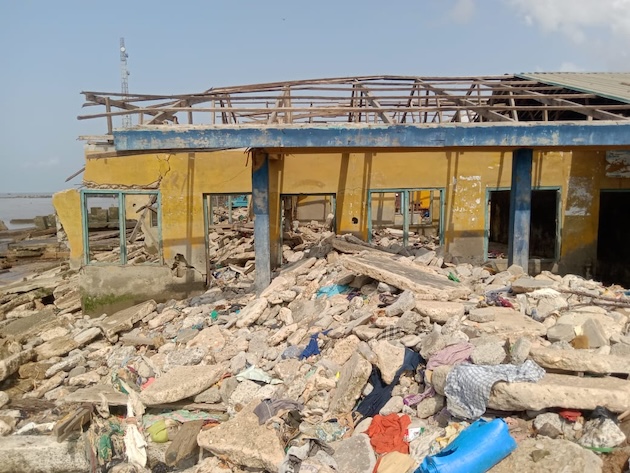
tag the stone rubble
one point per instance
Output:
(315, 336)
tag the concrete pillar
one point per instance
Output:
(520, 207)
(260, 204)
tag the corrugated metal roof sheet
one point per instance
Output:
(612, 85)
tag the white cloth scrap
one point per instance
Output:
(468, 386)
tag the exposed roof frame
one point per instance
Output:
(373, 100)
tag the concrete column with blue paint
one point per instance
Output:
(260, 204)
(520, 207)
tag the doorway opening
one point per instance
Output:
(544, 227)
(613, 252)
(407, 217)
(306, 219)
(229, 233)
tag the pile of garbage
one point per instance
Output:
(355, 359)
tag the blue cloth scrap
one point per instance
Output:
(312, 348)
(332, 290)
(381, 392)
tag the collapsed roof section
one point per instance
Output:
(388, 100)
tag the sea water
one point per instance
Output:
(24, 205)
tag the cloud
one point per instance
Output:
(576, 19)
(463, 11)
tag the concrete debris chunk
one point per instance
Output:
(180, 383)
(126, 318)
(244, 441)
(410, 277)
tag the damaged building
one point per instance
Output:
(530, 169)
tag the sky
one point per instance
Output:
(53, 50)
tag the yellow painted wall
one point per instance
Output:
(68, 208)
(465, 177)
(182, 179)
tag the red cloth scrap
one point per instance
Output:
(387, 432)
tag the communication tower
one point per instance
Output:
(124, 80)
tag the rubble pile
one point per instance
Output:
(354, 359)
(24, 245)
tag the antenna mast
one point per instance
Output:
(124, 80)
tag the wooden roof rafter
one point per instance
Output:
(387, 100)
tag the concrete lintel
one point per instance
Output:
(448, 135)
(520, 208)
(260, 204)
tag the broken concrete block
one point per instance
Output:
(244, 441)
(86, 336)
(523, 285)
(439, 311)
(251, 312)
(430, 406)
(210, 338)
(578, 317)
(354, 455)
(601, 433)
(4, 399)
(354, 376)
(180, 383)
(520, 351)
(488, 354)
(423, 283)
(184, 357)
(561, 333)
(27, 327)
(389, 359)
(580, 361)
(553, 390)
(594, 331)
(343, 350)
(542, 455)
(405, 301)
(393, 406)
(65, 365)
(507, 323)
(127, 318)
(282, 334)
(59, 346)
(46, 386)
(12, 363)
(42, 453)
(486, 314)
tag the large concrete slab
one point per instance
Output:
(27, 327)
(559, 390)
(507, 323)
(126, 318)
(243, 441)
(92, 394)
(553, 390)
(580, 360)
(553, 455)
(180, 383)
(41, 454)
(423, 282)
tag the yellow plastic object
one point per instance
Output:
(158, 432)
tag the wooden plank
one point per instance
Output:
(184, 444)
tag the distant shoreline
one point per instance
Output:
(25, 196)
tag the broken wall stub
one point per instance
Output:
(106, 289)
